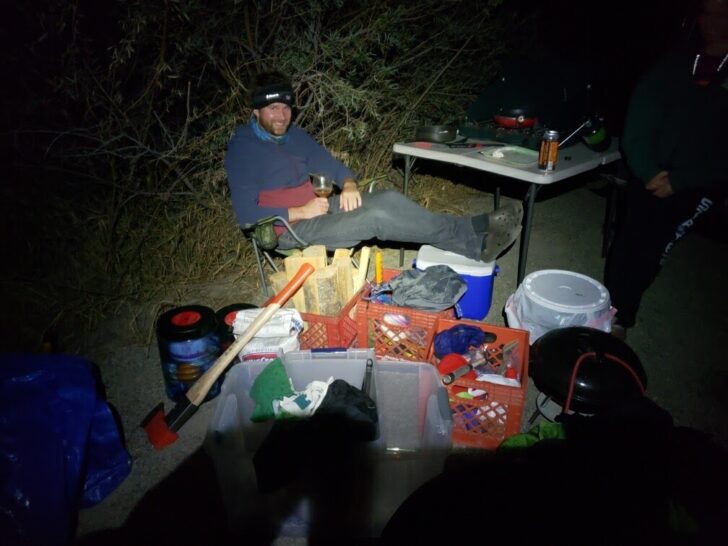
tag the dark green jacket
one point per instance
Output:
(675, 125)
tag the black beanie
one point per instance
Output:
(268, 94)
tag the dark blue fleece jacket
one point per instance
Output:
(254, 166)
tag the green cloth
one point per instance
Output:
(542, 431)
(675, 125)
(271, 384)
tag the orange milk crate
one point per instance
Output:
(486, 420)
(331, 331)
(396, 333)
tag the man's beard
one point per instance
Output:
(274, 129)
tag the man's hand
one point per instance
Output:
(350, 197)
(315, 207)
(660, 185)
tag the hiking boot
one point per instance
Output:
(504, 227)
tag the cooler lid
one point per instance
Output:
(566, 291)
(429, 255)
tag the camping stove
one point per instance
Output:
(526, 137)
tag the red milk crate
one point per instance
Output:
(485, 421)
(396, 333)
(331, 331)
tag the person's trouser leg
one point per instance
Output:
(650, 228)
(387, 216)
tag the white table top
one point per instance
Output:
(580, 159)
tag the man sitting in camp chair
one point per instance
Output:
(269, 162)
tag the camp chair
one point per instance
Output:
(264, 238)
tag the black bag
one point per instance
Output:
(346, 418)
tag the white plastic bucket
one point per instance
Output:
(553, 298)
(475, 303)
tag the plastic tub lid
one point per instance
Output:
(566, 291)
(428, 256)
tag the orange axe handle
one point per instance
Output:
(161, 429)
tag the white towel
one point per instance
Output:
(304, 403)
(283, 323)
(280, 332)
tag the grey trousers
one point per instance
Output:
(387, 216)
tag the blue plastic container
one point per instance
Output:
(189, 345)
(475, 303)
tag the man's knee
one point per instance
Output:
(377, 216)
(386, 200)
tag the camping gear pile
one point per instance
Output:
(396, 379)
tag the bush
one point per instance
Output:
(131, 130)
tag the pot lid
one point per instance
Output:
(565, 291)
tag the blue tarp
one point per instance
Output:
(60, 446)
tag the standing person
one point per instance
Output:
(675, 143)
(268, 163)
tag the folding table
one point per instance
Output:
(510, 162)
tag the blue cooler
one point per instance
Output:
(478, 275)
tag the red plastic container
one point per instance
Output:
(396, 333)
(485, 421)
(331, 331)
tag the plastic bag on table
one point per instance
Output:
(60, 447)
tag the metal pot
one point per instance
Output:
(436, 133)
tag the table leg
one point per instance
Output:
(408, 162)
(526, 235)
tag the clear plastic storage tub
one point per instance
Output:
(415, 431)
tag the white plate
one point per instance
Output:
(512, 155)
